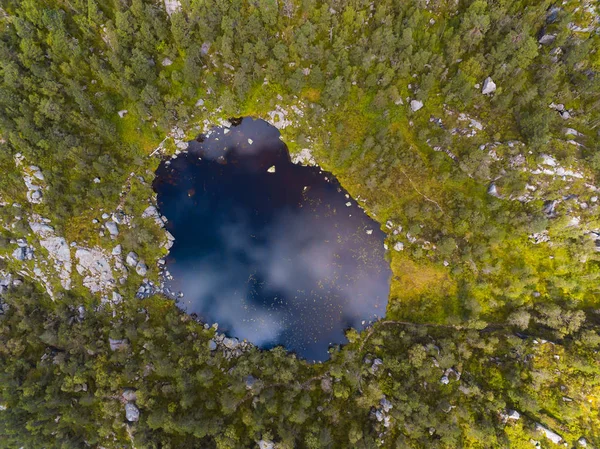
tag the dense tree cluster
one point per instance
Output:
(88, 88)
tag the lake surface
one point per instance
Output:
(276, 253)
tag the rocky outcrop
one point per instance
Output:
(60, 253)
(172, 6)
(304, 157)
(93, 265)
(34, 180)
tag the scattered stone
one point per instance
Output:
(132, 413)
(122, 113)
(212, 345)
(129, 395)
(96, 180)
(565, 115)
(548, 160)
(572, 132)
(550, 208)
(132, 259)
(172, 6)
(375, 366)
(552, 436)
(399, 246)
(445, 380)
(23, 253)
(488, 86)
(150, 212)
(304, 157)
(513, 415)
(582, 442)
(117, 250)
(250, 382)
(547, 39)
(166, 62)
(265, 444)
(415, 105)
(387, 405)
(112, 228)
(231, 343)
(199, 103)
(141, 269)
(493, 190)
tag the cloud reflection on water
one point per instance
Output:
(267, 259)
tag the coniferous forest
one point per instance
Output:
(468, 129)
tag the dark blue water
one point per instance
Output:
(275, 258)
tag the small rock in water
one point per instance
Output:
(250, 141)
(348, 204)
(271, 169)
(369, 231)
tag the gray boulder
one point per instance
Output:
(132, 259)
(415, 105)
(132, 413)
(23, 253)
(547, 39)
(129, 395)
(488, 86)
(112, 227)
(141, 268)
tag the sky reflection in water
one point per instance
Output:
(275, 258)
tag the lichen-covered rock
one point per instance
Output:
(93, 265)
